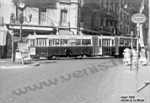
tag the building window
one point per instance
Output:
(42, 15)
(63, 17)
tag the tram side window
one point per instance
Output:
(113, 42)
(32, 43)
(75, 42)
(126, 42)
(121, 42)
(78, 42)
(41, 42)
(100, 44)
(63, 42)
(86, 42)
(108, 43)
(50, 42)
(105, 42)
(129, 42)
(56, 42)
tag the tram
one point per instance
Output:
(76, 45)
(53, 45)
(123, 42)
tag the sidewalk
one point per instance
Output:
(8, 64)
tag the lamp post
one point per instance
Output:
(12, 42)
(78, 17)
(21, 6)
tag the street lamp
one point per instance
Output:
(21, 6)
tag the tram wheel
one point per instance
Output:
(53, 57)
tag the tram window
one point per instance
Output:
(78, 42)
(121, 42)
(129, 43)
(86, 42)
(56, 42)
(51, 42)
(74, 42)
(104, 42)
(113, 42)
(100, 44)
(41, 42)
(126, 42)
(63, 42)
(108, 42)
(32, 43)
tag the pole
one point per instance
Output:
(148, 41)
(131, 50)
(12, 42)
(20, 32)
(138, 34)
(78, 18)
(12, 56)
(21, 19)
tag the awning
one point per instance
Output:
(30, 27)
(39, 3)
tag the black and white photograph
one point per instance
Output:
(74, 51)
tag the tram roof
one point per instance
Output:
(124, 36)
(59, 36)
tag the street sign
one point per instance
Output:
(138, 18)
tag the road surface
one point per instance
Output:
(68, 81)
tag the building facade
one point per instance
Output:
(100, 16)
(52, 17)
(55, 14)
(110, 16)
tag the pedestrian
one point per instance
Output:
(127, 56)
(143, 59)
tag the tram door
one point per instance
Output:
(116, 46)
(100, 47)
(95, 45)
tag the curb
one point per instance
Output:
(14, 67)
(19, 66)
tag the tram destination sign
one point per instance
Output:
(138, 18)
